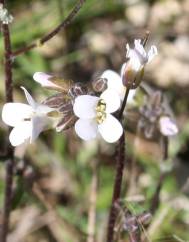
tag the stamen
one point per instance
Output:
(100, 111)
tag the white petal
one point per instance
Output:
(112, 100)
(39, 108)
(39, 123)
(44, 79)
(168, 126)
(29, 98)
(152, 52)
(13, 113)
(20, 133)
(114, 81)
(86, 129)
(135, 62)
(123, 69)
(139, 48)
(127, 50)
(85, 106)
(43, 109)
(111, 129)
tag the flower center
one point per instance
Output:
(30, 116)
(100, 111)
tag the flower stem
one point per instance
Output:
(10, 149)
(156, 197)
(120, 155)
(123, 104)
(55, 31)
(92, 202)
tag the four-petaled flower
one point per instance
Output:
(95, 116)
(28, 121)
(132, 71)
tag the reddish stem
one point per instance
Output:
(10, 149)
(119, 175)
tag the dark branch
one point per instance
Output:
(119, 166)
(50, 35)
(156, 197)
(10, 149)
(119, 175)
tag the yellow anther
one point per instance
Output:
(100, 111)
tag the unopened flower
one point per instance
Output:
(5, 17)
(48, 81)
(63, 100)
(99, 84)
(132, 71)
(95, 116)
(167, 126)
(156, 117)
(28, 121)
(67, 87)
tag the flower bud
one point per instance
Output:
(130, 77)
(133, 70)
(167, 126)
(99, 84)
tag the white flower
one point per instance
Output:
(28, 121)
(114, 82)
(167, 126)
(132, 70)
(5, 17)
(94, 115)
(138, 56)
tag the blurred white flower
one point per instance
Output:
(95, 117)
(132, 70)
(28, 121)
(167, 126)
(114, 82)
(5, 17)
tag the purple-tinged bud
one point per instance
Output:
(167, 126)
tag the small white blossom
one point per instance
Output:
(5, 17)
(138, 58)
(28, 121)
(114, 82)
(167, 126)
(47, 81)
(95, 116)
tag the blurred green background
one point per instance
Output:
(55, 176)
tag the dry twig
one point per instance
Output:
(52, 33)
